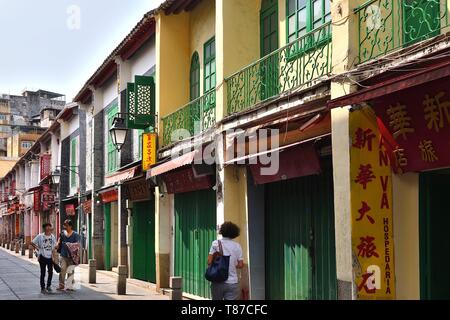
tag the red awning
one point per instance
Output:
(406, 81)
(173, 164)
(185, 180)
(120, 176)
(293, 162)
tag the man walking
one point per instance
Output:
(45, 243)
(68, 237)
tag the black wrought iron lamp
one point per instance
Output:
(119, 129)
(56, 174)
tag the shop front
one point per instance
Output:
(109, 201)
(193, 220)
(141, 229)
(412, 114)
(291, 242)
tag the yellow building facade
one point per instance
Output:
(276, 65)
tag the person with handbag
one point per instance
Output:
(225, 257)
(44, 243)
(67, 239)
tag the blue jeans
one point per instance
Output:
(225, 291)
(45, 263)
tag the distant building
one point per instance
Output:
(23, 119)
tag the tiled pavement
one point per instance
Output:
(19, 280)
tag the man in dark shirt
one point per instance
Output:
(67, 236)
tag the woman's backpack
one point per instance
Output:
(218, 270)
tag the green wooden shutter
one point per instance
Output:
(107, 235)
(144, 258)
(73, 162)
(195, 221)
(144, 105)
(112, 151)
(209, 75)
(131, 98)
(300, 244)
(434, 223)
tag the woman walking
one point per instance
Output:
(228, 290)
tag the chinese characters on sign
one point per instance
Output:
(148, 150)
(419, 121)
(371, 205)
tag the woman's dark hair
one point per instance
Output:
(45, 225)
(68, 222)
(229, 230)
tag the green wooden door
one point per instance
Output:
(434, 243)
(300, 250)
(144, 258)
(269, 43)
(421, 20)
(107, 234)
(195, 221)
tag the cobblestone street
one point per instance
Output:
(19, 280)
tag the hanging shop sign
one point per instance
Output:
(87, 207)
(109, 196)
(184, 180)
(371, 205)
(48, 200)
(37, 200)
(419, 121)
(70, 210)
(137, 190)
(148, 150)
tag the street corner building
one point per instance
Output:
(321, 128)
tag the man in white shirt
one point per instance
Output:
(45, 243)
(228, 290)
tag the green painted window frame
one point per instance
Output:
(113, 163)
(73, 161)
(293, 10)
(194, 85)
(209, 65)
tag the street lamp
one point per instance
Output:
(118, 132)
(56, 176)
(119, 129)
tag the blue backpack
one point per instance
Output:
(218, 270)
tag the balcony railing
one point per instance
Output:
(386, 25)
(190, 120)
(306, 59)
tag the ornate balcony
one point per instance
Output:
(289, 68)
(190, 120)
(386, 25)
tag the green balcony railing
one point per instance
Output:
(190, 120)
(288, 68)
(386, 25)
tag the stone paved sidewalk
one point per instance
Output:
(19, 280)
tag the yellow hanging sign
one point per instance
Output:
(371, 205)
(148, 150)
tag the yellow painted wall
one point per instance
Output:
(237, 41)
(173, 61)
(202, 29)
(235, 208)
(406, 235)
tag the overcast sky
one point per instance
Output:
(56, 45)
